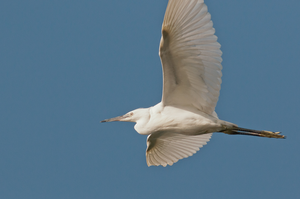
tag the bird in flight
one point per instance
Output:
(185, 119)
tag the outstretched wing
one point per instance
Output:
(190, 56)
(166, 148)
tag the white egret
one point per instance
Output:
(185, 119)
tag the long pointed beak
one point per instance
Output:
(119, 118)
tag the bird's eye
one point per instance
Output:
(131, 113)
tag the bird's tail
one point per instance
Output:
(243, 131)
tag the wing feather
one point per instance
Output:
(166, 148)
(190, 56)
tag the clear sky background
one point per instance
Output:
(66, 65)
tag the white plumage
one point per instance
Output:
(167, 148)
(185, 119)
(191, 56)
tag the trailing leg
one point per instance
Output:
(243, 131)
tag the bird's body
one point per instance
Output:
(185, 119)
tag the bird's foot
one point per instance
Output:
(270, 134)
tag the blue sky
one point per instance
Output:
(66, 65)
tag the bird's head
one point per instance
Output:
(132, 116)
